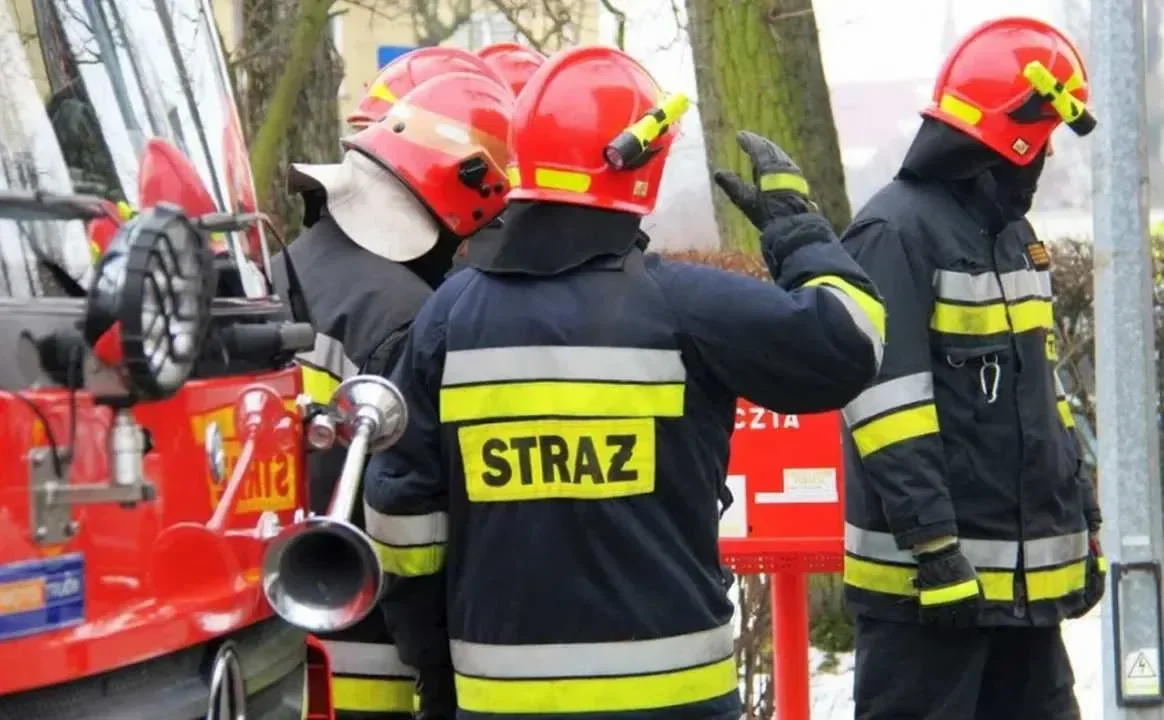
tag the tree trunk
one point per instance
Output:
(310, 128)
(758, 68)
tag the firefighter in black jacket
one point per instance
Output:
(571, 402)
(971, 527)
(390, 217)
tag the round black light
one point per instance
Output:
(151, 296)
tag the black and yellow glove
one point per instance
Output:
(949, 594)
(778, 188)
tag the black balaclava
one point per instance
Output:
(545, 239)
(939, 152)
(1017, 185)
(433, 266)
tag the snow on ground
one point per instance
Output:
(832, 693)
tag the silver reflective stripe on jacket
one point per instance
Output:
(985, 554)
(894, 394)
(862, 320)
(406, 530)
(588, 660)
(551, 362)
(987, 287)
(370, 659)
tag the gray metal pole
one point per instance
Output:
(1129, 477)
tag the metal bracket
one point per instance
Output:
(52, 497)
(51, 522)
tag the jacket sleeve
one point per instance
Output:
(810, 343)
(894, 423)
(405, 489)
(1091, 509)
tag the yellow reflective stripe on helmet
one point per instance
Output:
(960, 109)
(566, 180)
(380, 91)
(371, 694)
(577, 399)
(597, 695)
(871, 306)
(795, 182)
(949, 594)
(895, 428)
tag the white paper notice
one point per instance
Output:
(734, 523)
(804, 485)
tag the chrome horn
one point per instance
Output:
(323, 574)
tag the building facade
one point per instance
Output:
(368, 35)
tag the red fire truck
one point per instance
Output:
(153, 429)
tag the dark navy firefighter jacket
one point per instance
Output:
(567, 444)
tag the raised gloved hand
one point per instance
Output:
(949, 594)
(778, 187)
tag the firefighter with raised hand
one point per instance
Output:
(391, 214)
(571, 401)
(971, 525)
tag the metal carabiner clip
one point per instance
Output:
(988, 377)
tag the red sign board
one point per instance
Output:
(786, 476)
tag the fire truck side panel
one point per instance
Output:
(137, 583)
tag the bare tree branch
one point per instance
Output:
(619, 23)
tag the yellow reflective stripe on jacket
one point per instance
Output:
(408, 545)
(572, 678)
(1055, 566)
(1052, 567)
(1061, 403)
(318, 384)
(867, 311)
(574, 381)
(989, 304)
(949, 593)
(370, 677)
(891, 412)
(324, 367)
(362, 694)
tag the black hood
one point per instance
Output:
(997, 188)
(544, 239)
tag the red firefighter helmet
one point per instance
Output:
(592, 128)
(1009, 83)
(514, 63)
(445, 140)
(410, 70)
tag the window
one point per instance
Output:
(484, 28)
